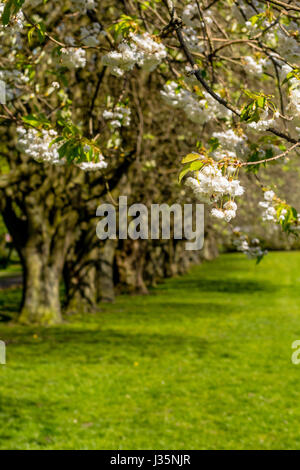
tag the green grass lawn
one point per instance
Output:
(202, 363)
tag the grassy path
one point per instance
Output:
(203, 363)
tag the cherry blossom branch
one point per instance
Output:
(276, 157)
(286, 137)
(176, 22)
(55, 41)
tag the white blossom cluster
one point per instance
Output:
(14, 80)
(227, 213)
(198, 110)
(16, 23)
(211, 185)
(11, 33)
(282, 39)
(269, 213)
(36, 144)
(215, 109)
(118, 117)
(254, 67)
(139, 50)
(288, 46)
(191, 16)
(219, 154)
(183, 99)
(294, 104)
(252, 250)
(228, 138)
(234, 144)
(272, 213)
(89, 35)
(294, 95)
(192, 41)
(73, 57)
(265, 121)
(93, 166)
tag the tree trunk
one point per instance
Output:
(42, 237)
(80, 290)
(80, 270)
(106, 292)
(41, 303)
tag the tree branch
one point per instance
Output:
(276, 157)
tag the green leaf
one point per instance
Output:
(41, 29)
(183, 172)
(294, 212)
(190, 158)
(249, 93)
(261, 102)
(56, 141)
(11, 8)
(194, 166)
(30, 34)
(214, 144)
(7, 12)
(38, 121)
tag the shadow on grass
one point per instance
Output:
(90, 346)
(179, 312)
(234, 286)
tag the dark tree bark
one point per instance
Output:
(105, 275)
(41, 302)
(42, 219)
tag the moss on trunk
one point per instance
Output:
(41, 303)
